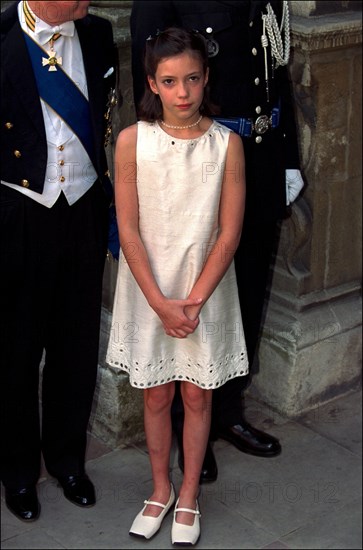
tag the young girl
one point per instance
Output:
(180, 194)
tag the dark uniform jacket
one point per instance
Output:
(22, 126)
(237, 83)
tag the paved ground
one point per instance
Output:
(308, 497)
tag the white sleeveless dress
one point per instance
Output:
(179, 186)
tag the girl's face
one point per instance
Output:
(180, 82)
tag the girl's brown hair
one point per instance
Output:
(173, 41)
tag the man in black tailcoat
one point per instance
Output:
(248, 43)
(57, 72)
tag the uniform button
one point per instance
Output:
(8, 125)
(108, 173)
(257, 81)
(258, 139)
(24, 183)
(61, 162)
(251, 23)
(258, 109)
(254, 51)
(17, 154)
(60, 147)
(62, 179)
(209, 30)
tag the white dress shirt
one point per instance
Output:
(69, 168)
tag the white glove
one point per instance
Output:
(294, 184)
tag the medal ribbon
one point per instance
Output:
(30, 21)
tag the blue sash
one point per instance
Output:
(63, 96)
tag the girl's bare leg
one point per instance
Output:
(197, 418)
(157, 421)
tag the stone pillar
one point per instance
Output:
(118, 409)
(310, 349)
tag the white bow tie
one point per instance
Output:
(45, 34)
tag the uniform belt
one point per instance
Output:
(246, 126)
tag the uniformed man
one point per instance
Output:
(249, 43)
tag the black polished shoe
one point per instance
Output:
(250, 440)
(23, 503)
(78, 489)
(209, 471)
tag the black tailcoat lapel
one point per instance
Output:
(93, 68)
(17, 68)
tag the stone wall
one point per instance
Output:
(118, 408)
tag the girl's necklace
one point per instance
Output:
(182, 127)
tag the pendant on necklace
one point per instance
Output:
(52, 60)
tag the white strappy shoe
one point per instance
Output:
(147, 526)
(186, 534)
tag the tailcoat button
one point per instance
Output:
(254, 51)
(25, 183)
(258, 109)
(251, 23)
(258, 139)
(8, 125)
(209, 30)
(257, 81)
(17, 154)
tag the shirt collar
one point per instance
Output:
(39, 29)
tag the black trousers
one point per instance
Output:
(254, 258)
(52, 262)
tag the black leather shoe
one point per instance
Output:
(78, 489)
(250, 440)
(209, 471)
(24, 503)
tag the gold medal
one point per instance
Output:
(52, 61)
